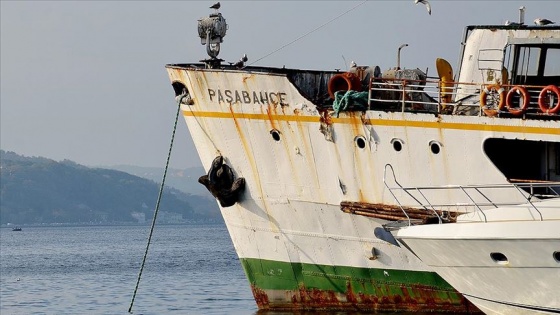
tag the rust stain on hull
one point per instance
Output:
(305, 299)
(394, 213)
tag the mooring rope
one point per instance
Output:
(157, 203)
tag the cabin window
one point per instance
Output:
(556, 256)
(528, 61)
(552, 65)
(535, 64)
(557, 160)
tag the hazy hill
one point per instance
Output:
(36, 190)
(185, 180)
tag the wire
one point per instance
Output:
(313, 30)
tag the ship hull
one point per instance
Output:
(325, 265)
(505, 264)
(298, 249)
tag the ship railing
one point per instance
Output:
(423, 96)
(454, 98)
(469, 198)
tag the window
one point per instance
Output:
(528, 62)
(552, 66)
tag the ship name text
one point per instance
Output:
(247, 97)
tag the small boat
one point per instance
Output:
(16, 229)
(504, 258)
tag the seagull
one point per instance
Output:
(426, 3)
(241, 63)
(215, 6)
(510, 23)
(543, 22)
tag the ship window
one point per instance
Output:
(552, 65)
(499, 258)
(528, 62)
(360, 142)
(397, 144)
(435, 147)
(556, 256)
(275, 134)
(557, 162)
(536, 64)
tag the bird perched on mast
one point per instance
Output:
(510, 23)
(241, 63)
(426, 3)
(215, 6)
(543, 22)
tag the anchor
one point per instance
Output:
(222, 184)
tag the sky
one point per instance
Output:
(86, 80)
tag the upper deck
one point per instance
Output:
(503, 71)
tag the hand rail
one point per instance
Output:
(551, 188)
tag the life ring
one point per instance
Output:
(497, 89)
(543, 103)
(344, 82)
(524, 98)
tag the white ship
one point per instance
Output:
(296, 159)
(504, 258)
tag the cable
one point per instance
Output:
(313, 30)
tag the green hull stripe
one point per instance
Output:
(276, 275)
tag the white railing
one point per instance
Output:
(469, 198)
(457, 98)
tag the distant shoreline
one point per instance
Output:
(148, 224)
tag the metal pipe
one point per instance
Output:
(399, 55)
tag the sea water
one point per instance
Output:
(190, 269)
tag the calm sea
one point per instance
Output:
(190, 269)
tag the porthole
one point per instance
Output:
(499, 258)
(397, 144)
(435, 147)
(556, 256)
(275, 134)
(360, 142)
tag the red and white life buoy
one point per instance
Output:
(492, 88)
(524, 100)
(544, 100)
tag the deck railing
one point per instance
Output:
(470, 198)
(458, 98)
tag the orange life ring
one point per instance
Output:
(543, 103)
(344, 82)
(484, 93)
(524, 98)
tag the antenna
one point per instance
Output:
(345, 63)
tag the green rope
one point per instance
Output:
(157, 203)
(349, 100)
